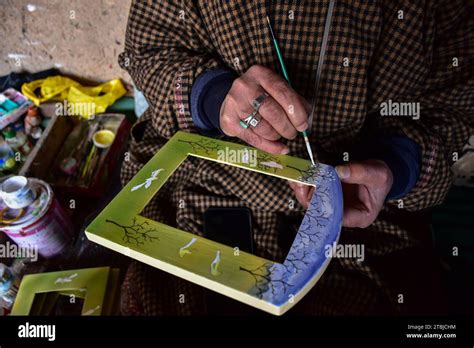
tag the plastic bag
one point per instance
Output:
(59, 88)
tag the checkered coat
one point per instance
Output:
(405, 51)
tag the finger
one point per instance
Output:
(310, 193)
(228, 121)
(276, 120)
(289, 100)
(271, 111)
(294, 185)
(265, 130)
(250, 137)
(353, 173)
(357, 217)
(302, 192)
(230, 125)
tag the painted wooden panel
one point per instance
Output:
(267, 285)
(95, 285)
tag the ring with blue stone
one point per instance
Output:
(251, 120)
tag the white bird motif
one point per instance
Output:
(147, 183)
(92, 310)
(184, 250)
(66, 279)
(272, 164)
(215, 264)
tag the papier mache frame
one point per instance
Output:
(270, 286)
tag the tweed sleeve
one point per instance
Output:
(166, 48)
(445, 99)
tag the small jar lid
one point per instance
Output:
(32, 111)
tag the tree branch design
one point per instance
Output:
(308, 175)
(203, 145)
(295, 263)
(265, 278)
(275, 278)
(316, 218)
(316, 172)
(136, 233)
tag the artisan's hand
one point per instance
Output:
(283, 112)
(365, 186)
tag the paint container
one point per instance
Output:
(16, 192)
(43, 224)
(7, 104)
(103, 138)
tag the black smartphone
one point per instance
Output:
(231, 226)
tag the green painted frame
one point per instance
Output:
(92, 281)
(244, 277)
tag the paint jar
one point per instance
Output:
(16, 193)
(42, 225)
(103, 138)
(9, 285)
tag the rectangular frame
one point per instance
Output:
(215, 266)
(93, 283)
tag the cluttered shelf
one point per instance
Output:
(61, 146)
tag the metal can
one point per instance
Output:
(42, 225)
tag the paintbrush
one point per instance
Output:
(287, 78)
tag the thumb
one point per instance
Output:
(353, 173)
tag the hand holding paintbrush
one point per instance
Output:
(287, 78)
(261, 108)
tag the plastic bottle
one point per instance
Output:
(17, 141)
(32, 122)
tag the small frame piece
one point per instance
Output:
(97, 286)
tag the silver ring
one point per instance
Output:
(251, 120)
(257, 102)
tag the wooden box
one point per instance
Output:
(43, 159)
